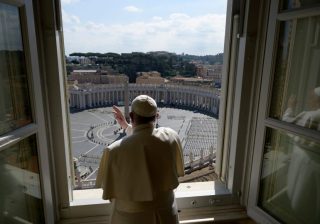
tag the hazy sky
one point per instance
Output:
(180, 26)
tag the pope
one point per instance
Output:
(139, 172)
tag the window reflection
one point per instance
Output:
(14, 98)
(20, 192)
(291, 4)
(290, 180)
(296, 90)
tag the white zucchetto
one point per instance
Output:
(144, 106)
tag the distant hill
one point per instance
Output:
(168, 64)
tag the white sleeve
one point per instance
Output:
(129, 129)
(288, 115)
(299, 119)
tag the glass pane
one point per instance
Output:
(290, 179)
(296, 90)
(14, 98)
(292, 4)
(20, 192)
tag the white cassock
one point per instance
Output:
(139, 173)
(304, 169)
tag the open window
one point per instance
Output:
(183, 76)
(26, 191)
(284, 183)
(186, 87)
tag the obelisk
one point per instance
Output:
(126, 101)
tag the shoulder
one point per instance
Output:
(305, 116)
(315, 114)
(167, 133)
(115, 144)
(121, 143)
(166, 130)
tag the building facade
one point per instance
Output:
(152, 77)
(195, 97)
(97, 77)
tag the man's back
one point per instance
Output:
(160, 148)
(139, 172)
(144, 163)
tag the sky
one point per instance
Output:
(122, 26)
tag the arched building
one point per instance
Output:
(194, 97)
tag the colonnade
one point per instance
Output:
(193, 97)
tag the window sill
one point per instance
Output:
(196, 189)
(223, 214)
(87, 197)
(88, 203)
(184, 190)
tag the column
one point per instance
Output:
(80, 101)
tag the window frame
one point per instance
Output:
(220, 197)
(189, 202)
(235, 142)
(38, 125)
(264, 121)
(244, 106)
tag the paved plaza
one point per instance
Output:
(94, 129)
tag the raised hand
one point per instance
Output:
(118, 115)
